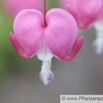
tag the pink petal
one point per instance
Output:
(28, 30)
(17, 46)
(89, 11)
(86, 12)
(77, 46)
(15, 6)
(61, 32)
(59, 35)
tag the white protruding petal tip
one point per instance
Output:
(46, 77)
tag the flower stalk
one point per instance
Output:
(45, 10)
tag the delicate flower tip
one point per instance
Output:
(46, 75)
(80, 40)
(46, 80)
(17, 46)
(77, 46)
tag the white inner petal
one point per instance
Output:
(46, 75)
(44, 53)
(99, 36)
(98, 42)
(99, 25)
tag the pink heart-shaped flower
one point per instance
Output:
(57, 38)
(51, 35)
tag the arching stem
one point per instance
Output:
(45, 10)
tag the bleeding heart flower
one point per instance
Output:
(56, 39)
(15, 6)
(86, 12)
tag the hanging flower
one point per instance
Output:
(86, 12)
(15, 6)
(52, 35)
